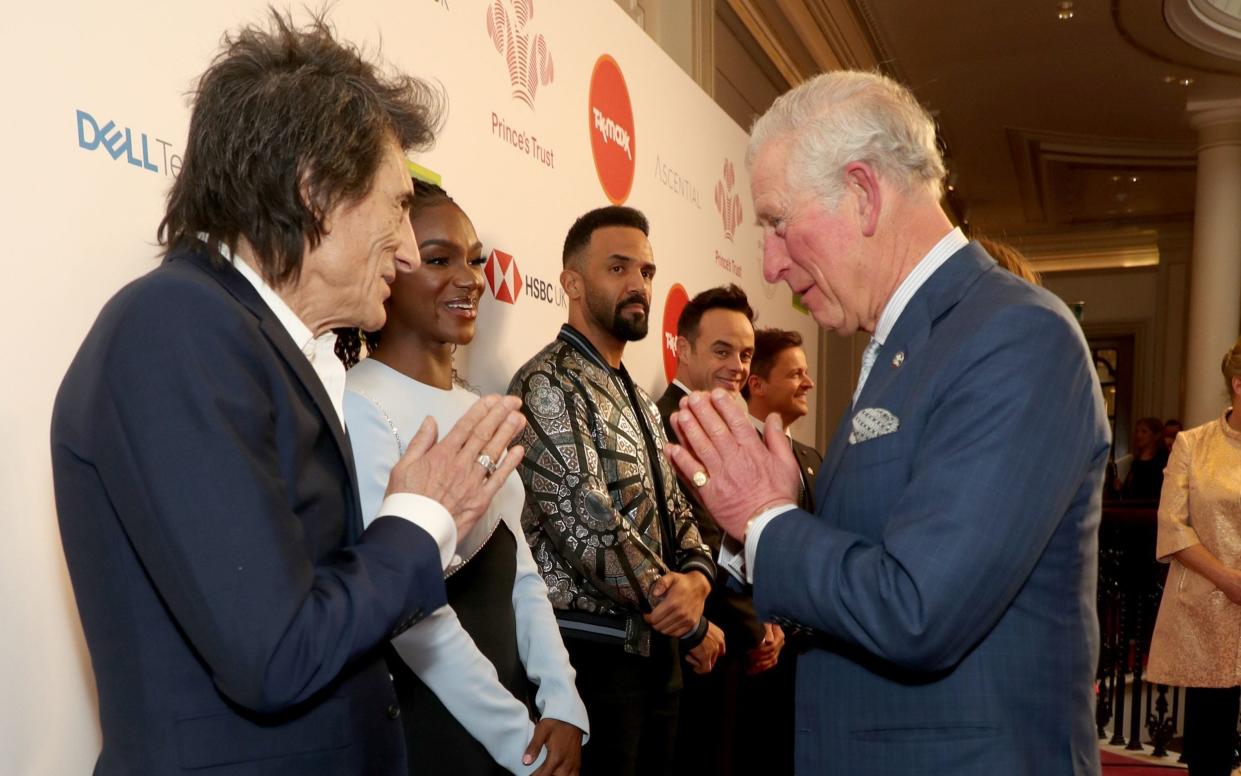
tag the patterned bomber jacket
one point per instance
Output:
(604, 515)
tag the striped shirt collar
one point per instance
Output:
(943, 250)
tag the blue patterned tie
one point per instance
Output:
(868, 360)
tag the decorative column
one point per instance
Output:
(1215, 273)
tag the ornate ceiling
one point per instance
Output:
(1060, 132)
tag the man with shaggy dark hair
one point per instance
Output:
(232, 603)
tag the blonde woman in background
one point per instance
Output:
(1197, 640)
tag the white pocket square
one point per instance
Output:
(872, 422)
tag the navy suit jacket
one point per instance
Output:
(232, 604)
(809, 460)
(948, 572)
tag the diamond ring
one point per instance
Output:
(485, 461)
(700, 479)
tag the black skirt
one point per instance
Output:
(481, 594)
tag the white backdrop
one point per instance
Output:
(82, 199)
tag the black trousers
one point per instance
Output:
(632, 702)
(1211, 729)
(731, 723)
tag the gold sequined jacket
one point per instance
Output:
(604, 515)
(1197, 640)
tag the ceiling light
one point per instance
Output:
(1133, 179)
(1186, 81)
(1064, 11)
(1183, 80)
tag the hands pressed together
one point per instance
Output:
(736, 474)
(464, 470)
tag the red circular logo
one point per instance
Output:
(610, 119)
(673, 305)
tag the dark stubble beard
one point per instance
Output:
(626, 327)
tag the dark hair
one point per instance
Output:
(279, 109)
(583, 228)
(768, 345)
(729, 297)
(349, 341)
(1173, 422)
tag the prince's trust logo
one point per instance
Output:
(727, 202)
(528, 58)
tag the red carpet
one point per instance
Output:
(1119, 765)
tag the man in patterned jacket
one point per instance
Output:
(610, 529)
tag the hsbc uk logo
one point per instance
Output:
(528, 58)
(727, 202)
(503, 278)
(506, 282)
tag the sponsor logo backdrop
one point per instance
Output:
(555, 107)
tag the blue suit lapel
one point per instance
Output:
(941, 291)
(278, 336)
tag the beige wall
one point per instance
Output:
(1148, 303)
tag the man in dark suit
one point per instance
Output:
(234, 608)
(715, 343)
(947, 575)
(780, 382)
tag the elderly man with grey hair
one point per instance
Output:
(946, 578)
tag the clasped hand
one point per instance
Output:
(680, 599)
(451, 470)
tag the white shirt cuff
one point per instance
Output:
(752, 536)
(429, 515)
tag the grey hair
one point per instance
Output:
(851, 116)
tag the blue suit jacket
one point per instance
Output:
(231, 601)
(949, 570)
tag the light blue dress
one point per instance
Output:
(383, 410)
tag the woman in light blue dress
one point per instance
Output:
(463, 674)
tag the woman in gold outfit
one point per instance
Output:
(1197, 641)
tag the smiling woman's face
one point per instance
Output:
(439, 300)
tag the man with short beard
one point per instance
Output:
(616, 543)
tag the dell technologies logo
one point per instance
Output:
(120, 142)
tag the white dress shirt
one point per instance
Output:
(428, 514)
(933, 260)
